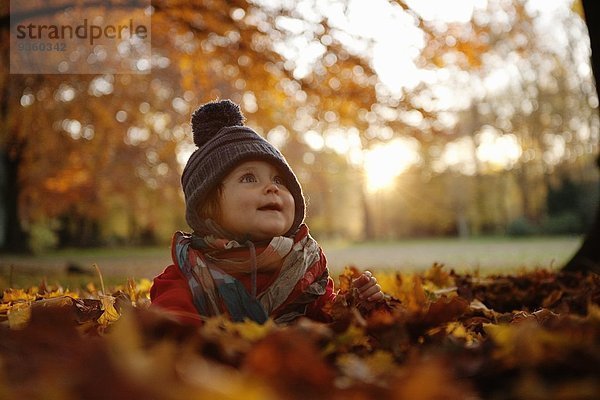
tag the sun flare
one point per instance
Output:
(383, 163)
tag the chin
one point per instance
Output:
(271, 233)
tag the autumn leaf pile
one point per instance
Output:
(437, 335)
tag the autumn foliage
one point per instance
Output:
(437, 335)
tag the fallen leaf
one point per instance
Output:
(110, 314)
(19, 315)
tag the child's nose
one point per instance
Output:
(272, 188)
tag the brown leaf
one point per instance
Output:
(445, 309)
(345, 279)
(288, 360)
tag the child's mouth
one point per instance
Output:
(270, 207)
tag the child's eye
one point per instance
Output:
(279, 180)
(247, 178)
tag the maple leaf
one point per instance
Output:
(389, 349)
(13, 295)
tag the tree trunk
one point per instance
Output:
(15, 238)
(587, 258)
(368, 228)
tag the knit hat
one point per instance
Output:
(223, 143)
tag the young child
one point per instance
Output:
(250, 255)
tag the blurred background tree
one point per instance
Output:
(398, 122)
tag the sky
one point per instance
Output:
(394, 40)
(397, 42)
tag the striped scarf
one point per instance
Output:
(209, 262)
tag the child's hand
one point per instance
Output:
(368, 287)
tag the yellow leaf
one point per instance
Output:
(525, 343)
(254, 331)
(131, 290)
(417, 298)
(4, 307)
(354, 336)
(248, 330)
(110, 313)
(439, 277)
(391, 283)
(593, 312)
(459, 331)
(138, 290)
(144, 284)
(11, 295)
(90, 287)
(19, 315)
(60, 292)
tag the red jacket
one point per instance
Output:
(171, 292)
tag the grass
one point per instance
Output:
(14, 277)
(486, 254)
(116, 264)
(97, 252)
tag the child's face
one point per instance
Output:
(255, 201)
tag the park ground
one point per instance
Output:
(486, 255)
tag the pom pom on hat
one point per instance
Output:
(212, 117)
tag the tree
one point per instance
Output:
(587, 258)
(65, 136)
(62, 137)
